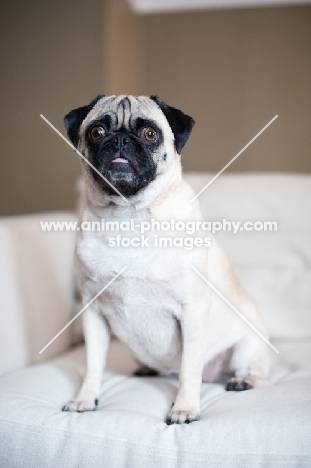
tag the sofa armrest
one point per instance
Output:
(36, 289)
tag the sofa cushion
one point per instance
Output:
(268, 426)
(36, 289)
(274, 267)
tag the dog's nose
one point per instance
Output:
(121, 140)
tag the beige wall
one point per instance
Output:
(231, 70)
(51, 62)
(122, 64)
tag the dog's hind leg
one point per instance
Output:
(250, 363)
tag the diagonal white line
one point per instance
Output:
(84, 158)
(233, 159)
(235, 310)
(82, 310)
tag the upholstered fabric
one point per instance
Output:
(36, 279)
(274, 267)
(267, 427)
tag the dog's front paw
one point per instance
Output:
(179, 416)
(237, 384)
(81, 405)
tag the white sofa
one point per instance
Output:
(265, 427)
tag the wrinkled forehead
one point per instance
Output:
(123, 112)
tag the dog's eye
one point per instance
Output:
(97, 133)
(149, 134)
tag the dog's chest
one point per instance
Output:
(142, 305)
(143, 315)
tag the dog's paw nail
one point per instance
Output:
(182, 417)
(80, 406)
(169, 422)
(238, 385)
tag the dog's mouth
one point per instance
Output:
(120, 161)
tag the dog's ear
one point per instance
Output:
(180, 123)
(74, 119)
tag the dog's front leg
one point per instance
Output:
(194, 337)
(97, 336)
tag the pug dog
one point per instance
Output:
(172, 321)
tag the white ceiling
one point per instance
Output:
(163, 6)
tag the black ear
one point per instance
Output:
(74, 119)
(180, 123)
